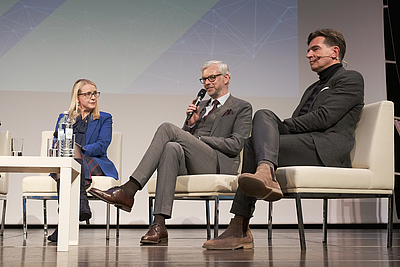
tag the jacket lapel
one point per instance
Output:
(227, 105)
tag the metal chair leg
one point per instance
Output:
(117, 230)
(270, 220)
(208, 219)
(108, 222)
(3, 217)
(25, 231)
(216, 217)
(390, 222)
(325, 220)
(45, 227)
(300, 222)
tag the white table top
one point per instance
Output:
(36, 164)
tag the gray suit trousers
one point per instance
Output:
(173, 152)
(271, 141)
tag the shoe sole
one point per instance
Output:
(242, 246)
(162, 240)
(122, 207)
(255, 188)
(274, 195)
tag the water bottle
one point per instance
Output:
(65, 136)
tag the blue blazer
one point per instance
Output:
(98, 138)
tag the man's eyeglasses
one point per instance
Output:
(211, 78)
(89, 95)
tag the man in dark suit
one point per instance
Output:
(209, 142)
(319, 133)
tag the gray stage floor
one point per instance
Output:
(346, 247)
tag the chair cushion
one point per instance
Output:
(201, 183)
(46, 184)
(329, 180)
(104, 182)
(39, 184)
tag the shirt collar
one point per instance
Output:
(221, 100)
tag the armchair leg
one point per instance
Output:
(216, 217)
(25, 232)
(390, 222)
(45, 228)
(300, 222)
(3, 216)
(208, 219)
(108, 222)
(117, 230)
(270, 220)
(325, 220)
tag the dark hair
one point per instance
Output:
(332, 38)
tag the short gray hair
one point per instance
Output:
(223, 68)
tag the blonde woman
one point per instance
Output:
(93, 133)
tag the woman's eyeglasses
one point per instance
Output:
(89, 95)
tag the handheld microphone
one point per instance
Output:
(199, 97)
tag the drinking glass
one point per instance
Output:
(16, 146)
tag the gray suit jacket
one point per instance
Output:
(332, 117)
(230, 129)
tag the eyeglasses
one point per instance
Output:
(211, 78)
(89, 95)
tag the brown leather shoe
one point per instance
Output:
(237, 235)
(115, 195)
(262, 184)
(155, 235)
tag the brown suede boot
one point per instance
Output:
(262, 184)
(237, 235)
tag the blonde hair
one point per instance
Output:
(74, 110)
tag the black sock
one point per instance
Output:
(131, 187)
(160, 219)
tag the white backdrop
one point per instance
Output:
(31, 96)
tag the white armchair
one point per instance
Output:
(205, 187)
(5, 150)
(114, 153)
(372, 175)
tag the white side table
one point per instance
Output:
(69, 170)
